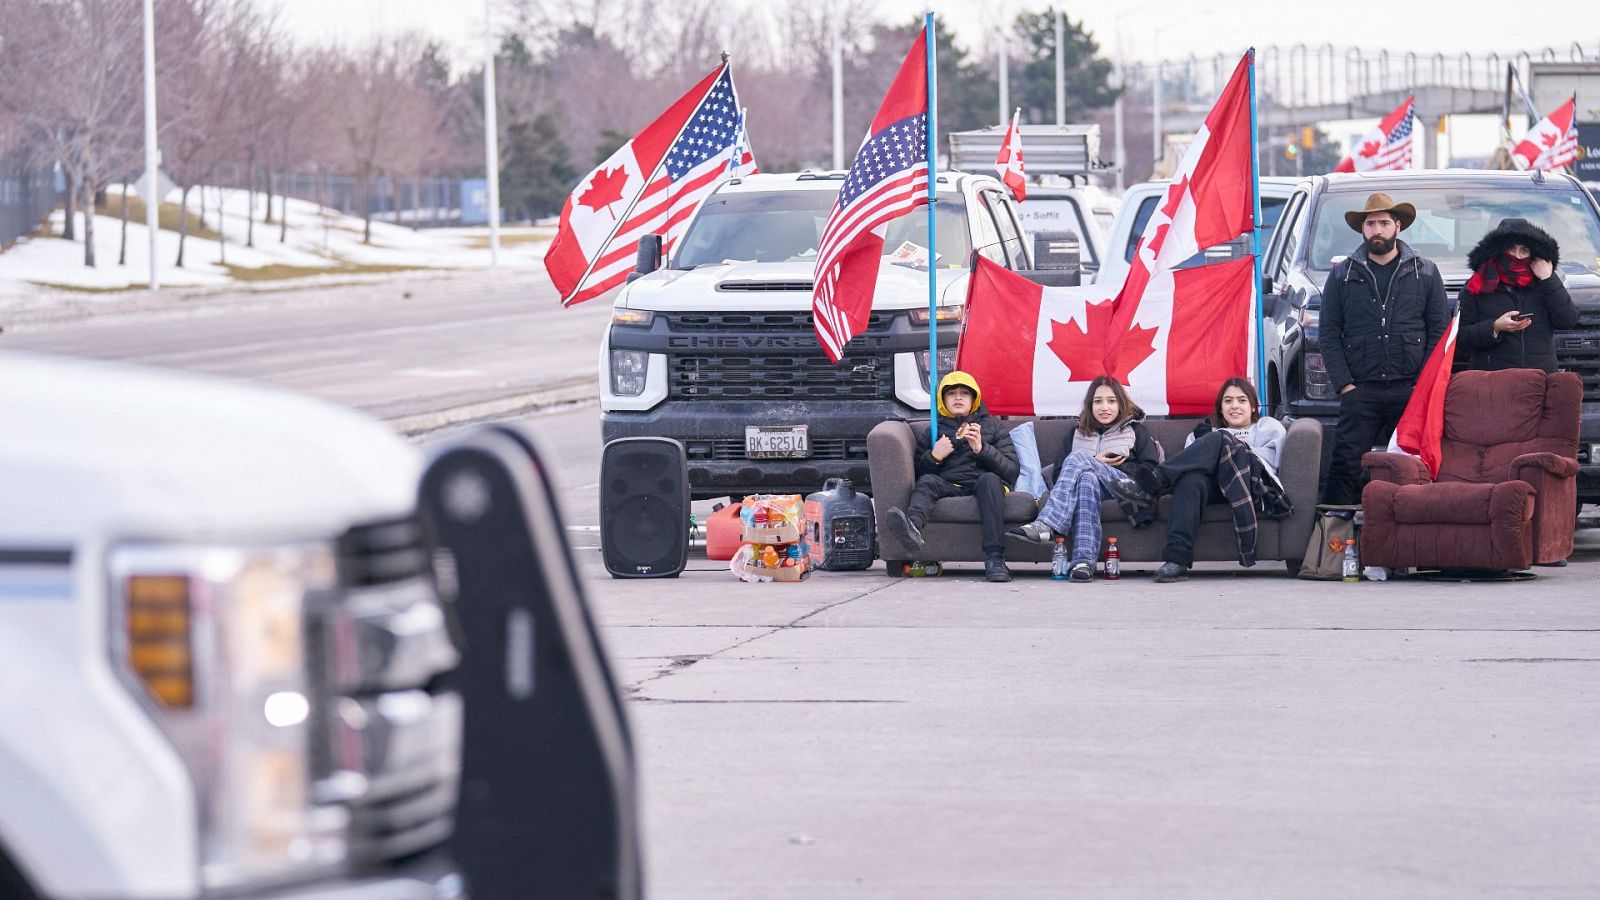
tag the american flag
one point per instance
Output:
(708, 149)
(888, 179)
(1386, 147)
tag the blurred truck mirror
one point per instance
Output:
(548, 772)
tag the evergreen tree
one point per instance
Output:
(1088, 75)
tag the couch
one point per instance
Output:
(1506, 493)
(953, 533)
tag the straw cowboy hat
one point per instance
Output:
(1404, 213)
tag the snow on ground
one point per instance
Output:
(317, 239)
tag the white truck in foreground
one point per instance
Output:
(221, 646)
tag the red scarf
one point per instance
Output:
(1503, 268)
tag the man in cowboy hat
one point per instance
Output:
(1383, 309)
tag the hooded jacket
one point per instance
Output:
(1366, 337)
(1546, 299)
(963, 466)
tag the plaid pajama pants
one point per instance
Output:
(1074, 503)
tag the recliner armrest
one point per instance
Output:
(1396, 468)
(1553, 463)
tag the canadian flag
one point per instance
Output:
(1171, 336)
(1553, 142)
(1420, 431)
(1386, 147)
(1009, 162)
(650, 185)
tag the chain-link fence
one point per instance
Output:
(27, 193)
(417, 202)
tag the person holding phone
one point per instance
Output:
(1513, 305)
(1109, 442)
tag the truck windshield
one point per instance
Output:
(1450, 221)
(1271, 212)
(784, 226)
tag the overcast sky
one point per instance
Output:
(1172, 28)
(1149, 29)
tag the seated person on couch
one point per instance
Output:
(972, 457)
(1209, 470)
(1110, 442)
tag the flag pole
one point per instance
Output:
(933, 243)
(1255, 237)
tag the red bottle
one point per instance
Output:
(1113, 559)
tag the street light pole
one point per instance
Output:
(1061, 69)
(491, 135)
(152, 152)
(1005, 79)
(838, 97)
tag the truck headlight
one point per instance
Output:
(628, 369)
(947, 364)
(214, 637)
(1316, 379)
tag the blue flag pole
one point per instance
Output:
(933, 243)
(1255, 239)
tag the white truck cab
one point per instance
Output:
(1139, 203)
(220, 645)
(716, 348)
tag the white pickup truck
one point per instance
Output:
(716, 347)
(220, 646)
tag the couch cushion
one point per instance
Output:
(1019, 507)
(1111, 511)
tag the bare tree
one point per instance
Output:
(70, 74)
(376, 99)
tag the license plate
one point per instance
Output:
(776, 442)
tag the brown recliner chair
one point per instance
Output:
(1506, 495)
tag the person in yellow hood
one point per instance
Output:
(971, 456)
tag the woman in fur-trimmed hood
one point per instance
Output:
(1514, 302)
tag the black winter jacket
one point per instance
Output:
(1533, 347)
(963, 466)
(1365, 337)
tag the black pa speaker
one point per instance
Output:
(644, 507)
(548, 782)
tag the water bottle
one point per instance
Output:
(932, 569)
(918, 570)
(1060, 562)
(1113, 559)
(1352, 565)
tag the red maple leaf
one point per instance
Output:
(605, 190)
(1548, 139)
(1084, 351)
(1370, 148)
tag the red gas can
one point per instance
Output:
(723, 529)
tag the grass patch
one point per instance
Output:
(80, 289)
(166, 217)
(281, 271)
(515, 239)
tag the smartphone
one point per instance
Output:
(1522, 317)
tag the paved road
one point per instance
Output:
(404, 348)
(1239, 735)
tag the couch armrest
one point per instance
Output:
(1396, 468)
(1299, 466)
(1528, 466)
(891, 462)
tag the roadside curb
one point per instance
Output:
(560, 394)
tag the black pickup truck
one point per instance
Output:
(1455, 208)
